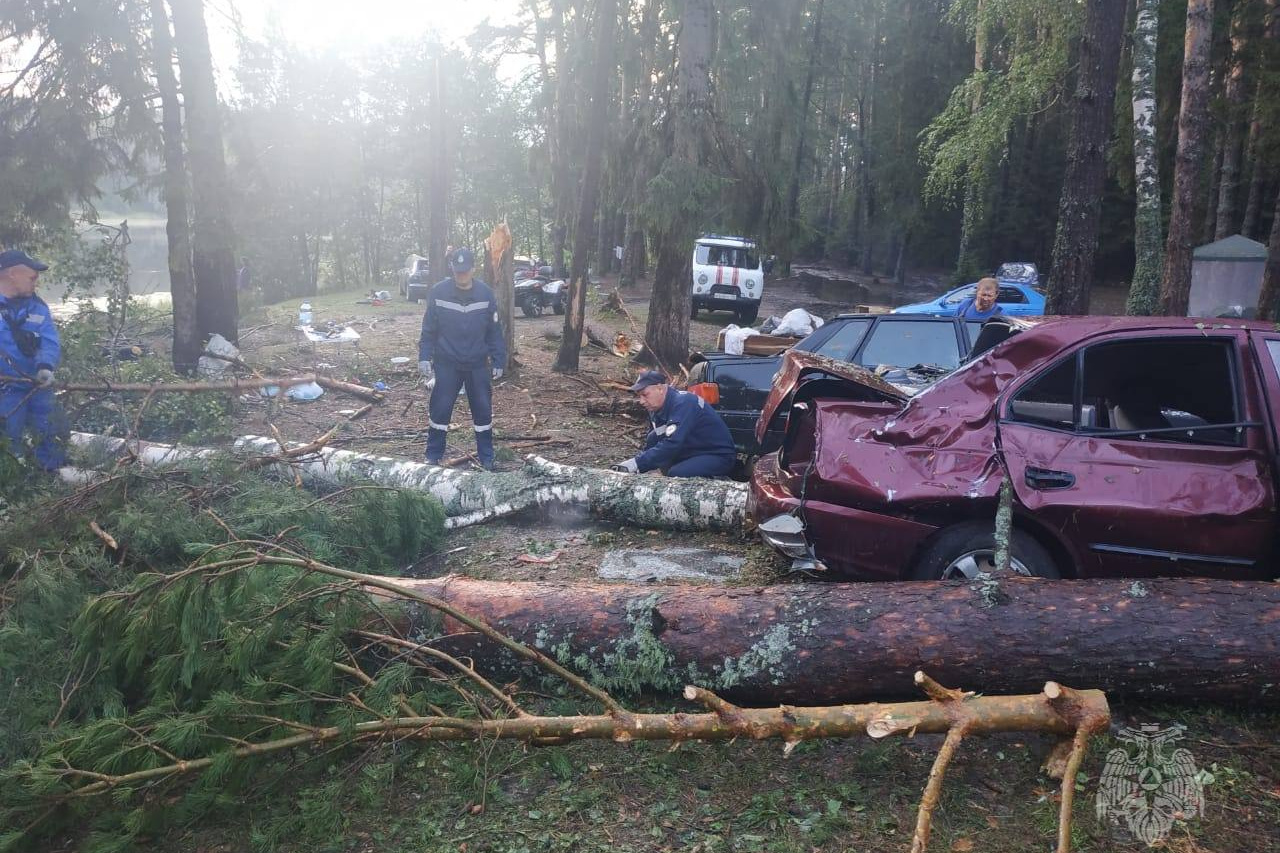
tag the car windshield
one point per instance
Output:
(727, 256)
(907, 344)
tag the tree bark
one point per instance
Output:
(1251, 227)
(974, 213)
(576, 302)
(471, 498)
(667, 330)
(1175, 285)
(499, 272)
(1269, 298)
(1148, 229)
(823, 643)
(187, 343)
(1233, 132)
(1076, 244)
(438, 182)
(212, 244)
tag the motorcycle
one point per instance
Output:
(535, 294)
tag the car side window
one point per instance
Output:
(844, 343)
(909, 343)
(1178, 389)
(961, 295)
(1181, 389)
(1011, 296)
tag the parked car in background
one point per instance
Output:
(536, 293)
(727, 276)
(1134, 447)
(415, 278)
(910, 351)
(1019, 294)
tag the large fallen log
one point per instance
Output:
(473, 497)
(831, 643)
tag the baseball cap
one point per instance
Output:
(462, 260)
(648, 379)
(17, 257)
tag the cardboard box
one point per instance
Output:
(761, 344)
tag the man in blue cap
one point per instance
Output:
(29, 354)
(461, 347)
(687, 437)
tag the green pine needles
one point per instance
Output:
(189, 627)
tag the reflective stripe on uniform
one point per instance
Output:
(441, 427)
(484, 428)
(458, 306)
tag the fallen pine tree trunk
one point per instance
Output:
(474, 497)
(832, 643)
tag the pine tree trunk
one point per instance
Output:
(1076, 244)
(1175, 285)
(576, 304)
(212, 244)
(438, 182)
(667, 330)
(797, 163)
(824, 643)
(974, 215)
(1215, 176)
(1252, 227)
(187, 342)
(1229, 177)
(561, 188)
(1269, 298)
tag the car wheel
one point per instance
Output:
(530, 309)
(558, 306)
(747, 316)
(963, 551)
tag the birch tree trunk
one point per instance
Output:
(474, 497)
(576, 303)
(1229, 177)
(1076, 243)
(212, 255)
(187, 343)
(1175, 285)
(1148, 230)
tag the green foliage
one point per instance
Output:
(119, 662)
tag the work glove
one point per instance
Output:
(426, 369)
(628, 467)
(497, 373)
(44, 377)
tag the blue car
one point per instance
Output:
(1018, 295)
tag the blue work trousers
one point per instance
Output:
(705, 465)
(449, 380)
(38, 414)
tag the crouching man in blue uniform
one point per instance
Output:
(687, 438)
(461, 347)
(29, 353)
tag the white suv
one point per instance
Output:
(727, 276)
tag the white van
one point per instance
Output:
(727, 276)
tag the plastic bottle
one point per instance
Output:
(304, 314)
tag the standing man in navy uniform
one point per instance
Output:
(461, 347)
(29, 354)
(687, 439)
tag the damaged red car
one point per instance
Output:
(1134, 447)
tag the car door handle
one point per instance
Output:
(1043, 478)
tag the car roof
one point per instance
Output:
(896, 318)
(723, 240)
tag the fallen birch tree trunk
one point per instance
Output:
(474, 497)
(829, 643)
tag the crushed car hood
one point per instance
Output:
(863, 384)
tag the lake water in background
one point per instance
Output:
(148, 256)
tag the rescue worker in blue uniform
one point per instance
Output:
(461, 347)
(29, 354)
(687, 437)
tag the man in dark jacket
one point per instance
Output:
(29, 354)
(461, 347)
(687, 438)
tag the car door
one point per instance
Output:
(1142, 456)
(1012, 301)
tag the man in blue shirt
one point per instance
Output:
(982, 305)
(29, 354)
(461, 346)
(687, 437)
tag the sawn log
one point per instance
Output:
(818, 644)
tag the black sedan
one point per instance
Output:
(909, 350)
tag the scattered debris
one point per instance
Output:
(700, 564)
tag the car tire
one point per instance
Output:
(961, 551)
(530, 309)
(747, 316)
